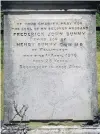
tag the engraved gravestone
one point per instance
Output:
(50, 65)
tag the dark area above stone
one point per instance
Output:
(39, 5)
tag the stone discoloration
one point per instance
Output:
(65, 130)
(57, 87)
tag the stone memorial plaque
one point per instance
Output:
(50, 66)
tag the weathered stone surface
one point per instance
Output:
(65, 130)
(50, 66)
(52, 130)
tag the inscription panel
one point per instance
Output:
(50, 65)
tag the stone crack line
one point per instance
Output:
(62, 100)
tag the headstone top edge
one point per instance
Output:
(36, 5)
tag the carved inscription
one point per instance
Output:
(50, 43)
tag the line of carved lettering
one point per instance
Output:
(49, 34)
(50, 61)
(50, 28)
(43, 49)
(64, 22)
(48, 44)
(51, 55)
(51, 66)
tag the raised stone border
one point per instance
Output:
(66, 130)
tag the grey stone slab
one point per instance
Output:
(65, 130)
(50, 66)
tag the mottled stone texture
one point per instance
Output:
(65, 130)
(57, 81)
